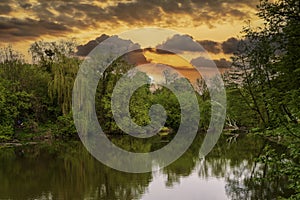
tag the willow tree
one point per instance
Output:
(61, 85)
(57, 59)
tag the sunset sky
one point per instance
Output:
(25, 21)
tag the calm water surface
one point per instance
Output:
(68, 171)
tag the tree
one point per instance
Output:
(13, 105)
(46, 52)
(269, 62)
(261, 59)
(63, 74)
(57, 58)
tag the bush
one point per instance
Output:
(6, 132)
(65, 126)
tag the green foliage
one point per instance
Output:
(39, 95)
(265, 86)
(56, 58)
(45, 53)
(13, 105)
(267, 89)
(63, 74)
(104, 92)
(238, 108)
(168, 100)
(142, 99)
(64, 127)
(33, 94)
(6, 132)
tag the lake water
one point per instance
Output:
(67, 171)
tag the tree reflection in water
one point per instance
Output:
(68, 171)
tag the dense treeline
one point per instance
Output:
(36, 94)
(36, 98)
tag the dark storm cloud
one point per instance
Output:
(222, 63)
(5, 9)
(25, 5)
(139, 12)
(111, 43)
(70, 14)
(180, 43)
(177, 44)
(204, 62)
(230, 46)
(211, 46)
(5, 2)
(27, 28)
(236, 13)
(159, 51)
(84, 50)
(136, 58)
(200, 11)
